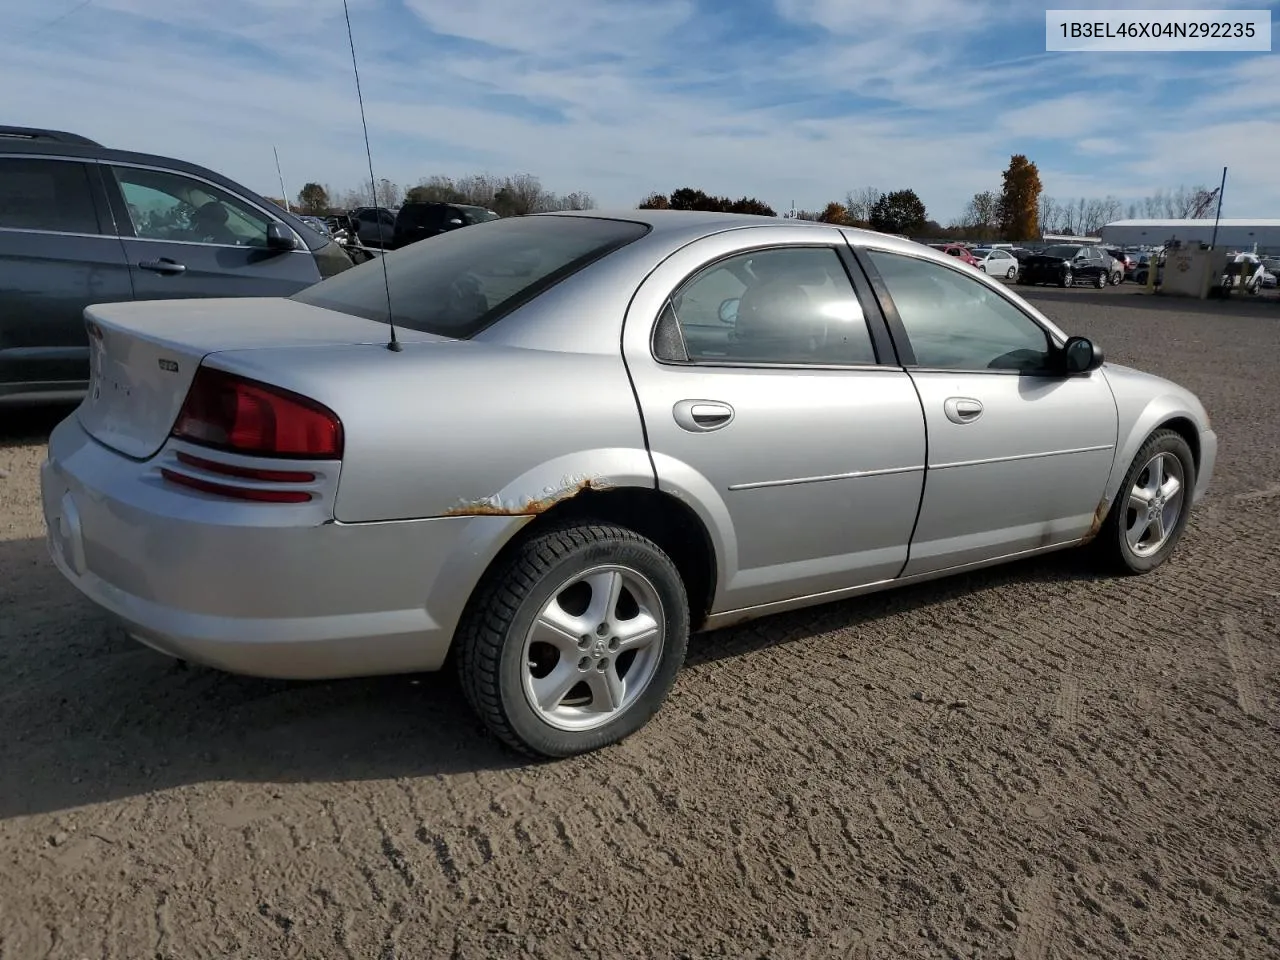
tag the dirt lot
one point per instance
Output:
(1029, 763)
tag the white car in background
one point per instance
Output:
(996, 262)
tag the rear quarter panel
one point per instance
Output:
(462, 428)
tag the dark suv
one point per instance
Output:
(81, 223)
(415, 221)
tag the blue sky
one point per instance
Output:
(785, 100)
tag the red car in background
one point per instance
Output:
(957, 250)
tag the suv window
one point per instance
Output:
(463, 280)
(46, 195)
(793, 305)
(955, 322)
(169, 206)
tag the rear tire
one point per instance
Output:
(1101, 280)
(1127, 542)
(1068, 278)
(540, 677)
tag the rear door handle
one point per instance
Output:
(962, 409)
(163, 265)
(702, 416)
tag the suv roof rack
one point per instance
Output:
(36, 133)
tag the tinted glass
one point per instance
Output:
(794, 306)
(1065, 252)
(955, 322)
(169, 206)
(463, 280)
(46, 195)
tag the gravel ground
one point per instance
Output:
(1029, 762)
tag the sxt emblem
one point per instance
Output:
(168, 365)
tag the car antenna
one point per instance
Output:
(394, 344)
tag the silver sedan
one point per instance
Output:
(547, 449)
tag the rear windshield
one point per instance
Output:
(1065, 252)
(456, 284)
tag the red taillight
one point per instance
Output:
(230, 412)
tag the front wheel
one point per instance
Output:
(1117, 278)
(575, 640)
(1100, 280)
(1067, 278)
(1013, 272)
(1152, 508)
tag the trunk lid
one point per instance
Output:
(143, 355)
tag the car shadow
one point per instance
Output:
(92, 716)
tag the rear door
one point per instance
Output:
(771, 399)
(58, 254)
(186, 237)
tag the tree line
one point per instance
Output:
(1018, 211)
(508, 196)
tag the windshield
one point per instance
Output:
(464, 280)
(1061, 250)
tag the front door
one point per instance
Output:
(185, 237)
(1018, 457)
(767, 407)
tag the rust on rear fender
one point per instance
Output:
(530, 506)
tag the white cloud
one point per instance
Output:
(639, 98)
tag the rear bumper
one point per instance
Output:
(258, 589)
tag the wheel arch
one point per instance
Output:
(673, 525)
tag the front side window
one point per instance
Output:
(169, 206)
(463, 280)
(955, 322)
(786, 306)
(48, 195)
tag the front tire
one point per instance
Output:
(574, 641)
(1013, 272)
(1101, 280)
(1068, 278)
(1151, 510)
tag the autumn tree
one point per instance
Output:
(655, 201)
(313, 198)
(1020, 199)
(899, 212)
(834, 213)
(859, 203)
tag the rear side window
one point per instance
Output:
(465, 280)
(46, 195)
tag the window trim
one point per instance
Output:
(874, 319)
(898, 329)
(124, 223)
(97, 197)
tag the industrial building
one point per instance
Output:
(1257, 236)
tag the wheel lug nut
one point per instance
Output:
(613, 644)
(584, 663)
(602, 629)
(584, 641)
(603, 665)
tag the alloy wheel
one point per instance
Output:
(1155, 504)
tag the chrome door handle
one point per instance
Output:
(701, 416)
(962, 409)
(163, 265)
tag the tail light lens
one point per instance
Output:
(229, 412)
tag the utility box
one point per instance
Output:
(1193, 272)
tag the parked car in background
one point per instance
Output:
(81, 223)
(957, 250)
(1146, 261)
(592, 442)
(1066, 264)
(1123, 264)
(317, 224)
(1113, 267)
(374, 226)
(417, 221)
(1272, 266)
(995, 262)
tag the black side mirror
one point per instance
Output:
(280, 237)
(1081, 355)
